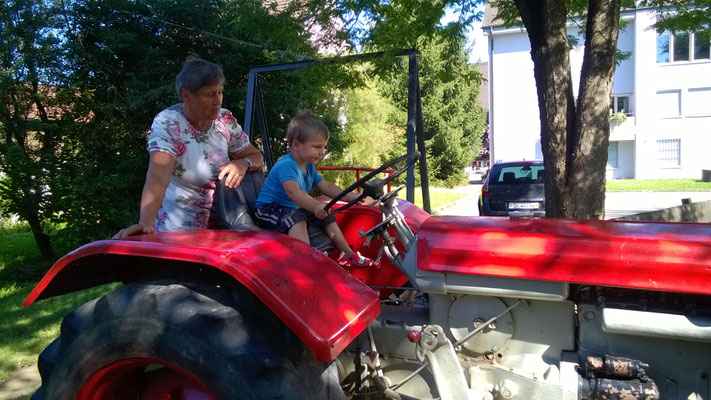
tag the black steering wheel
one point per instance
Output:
(374, 189)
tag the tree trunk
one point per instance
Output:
(550, 50)
(592, 133)
(42, 239)
(573, 140)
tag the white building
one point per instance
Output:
(664, 88)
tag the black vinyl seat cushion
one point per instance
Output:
(235, 209)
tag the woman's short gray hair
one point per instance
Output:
(198, 73)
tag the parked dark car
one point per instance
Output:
(514, 188)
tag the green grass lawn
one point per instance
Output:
(25, 331)
(20, 261)
(438, 197)
(669, 185)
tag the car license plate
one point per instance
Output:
(523, 206)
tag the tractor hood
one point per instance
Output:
(644, 255)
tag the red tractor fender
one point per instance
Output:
(318, 300)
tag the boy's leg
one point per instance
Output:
(350, 258)
(300, 231)
(334, 232)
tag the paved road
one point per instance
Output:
(617, 204)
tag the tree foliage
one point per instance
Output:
(453, 118)
(374, 132)
(82, 79)
(110, 75)
(682, 16)
(30, 56)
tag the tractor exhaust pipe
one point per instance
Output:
(616, 389)
(614, 367)
(608, 377)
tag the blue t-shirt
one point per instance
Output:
(286, 169)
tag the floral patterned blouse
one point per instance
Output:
(198, 157)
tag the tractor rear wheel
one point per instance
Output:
(168, 340)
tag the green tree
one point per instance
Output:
(373, 134)
(107, 67)
(453, 119)
(125, 56)
(373, 129)
(452, 116)
(682, 16)
(31, 59)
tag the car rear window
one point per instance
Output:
(517, 175)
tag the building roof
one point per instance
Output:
(490, 16)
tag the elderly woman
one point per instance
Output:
(189, 147)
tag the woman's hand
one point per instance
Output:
(135, 229)
(233, 172)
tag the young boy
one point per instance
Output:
(284, 203)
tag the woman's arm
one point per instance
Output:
(160, 167)
(254, 155)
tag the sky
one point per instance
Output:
(478, 51)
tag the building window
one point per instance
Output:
(682, 46)
(669, 152)
(663, 46)
(612, 155)
(621, 103)
(701, 48)
(668, 103)
(698, 102)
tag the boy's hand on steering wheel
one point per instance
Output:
(320, 211)
(366, 201)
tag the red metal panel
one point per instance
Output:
(357, 218)
(644, 255)
(322, 304)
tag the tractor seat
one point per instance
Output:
(235, 209)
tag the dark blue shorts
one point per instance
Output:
(279, 218)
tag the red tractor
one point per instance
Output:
(460, 308)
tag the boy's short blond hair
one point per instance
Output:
(305, 126)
